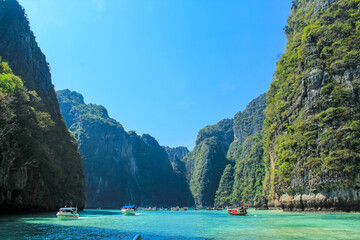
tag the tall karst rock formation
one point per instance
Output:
(246, 157)
(122, 167)
(312, 126)
(226, 164)
(40, 167)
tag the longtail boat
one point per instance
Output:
(239, 211)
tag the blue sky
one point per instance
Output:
(163, 67)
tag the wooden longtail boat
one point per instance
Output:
(239, 211)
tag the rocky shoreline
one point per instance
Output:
(341, 201)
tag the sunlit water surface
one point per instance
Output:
(201, 224)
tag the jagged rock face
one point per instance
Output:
(120, 167)
(251, 120)
(312, 117)
(322, 5)
(40, 167)
(317, 202)
(105, 150)
(249, 170)
(223, 131)
(206, 162)
(246, 154)
(19, 48)
(160, 185)
(232, 143)
(223, 193)
(176, 154)
(260, 203)
(205, 165)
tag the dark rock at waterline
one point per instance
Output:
(260, 203)
(346, 200)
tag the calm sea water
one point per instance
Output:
(201, 224)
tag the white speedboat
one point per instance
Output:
(128, 210)
(68, 213)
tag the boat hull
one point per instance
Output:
(237, 212)
(128, 212)
(67, 217)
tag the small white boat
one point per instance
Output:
(128, 210)
(68, 213)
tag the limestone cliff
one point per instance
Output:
(312, 125)
(120, 167)
(40, 167)
(175, 156)
(226, 165)
(206, 162)
(246, 156)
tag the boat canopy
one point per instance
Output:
(128, 206)
(68, 208)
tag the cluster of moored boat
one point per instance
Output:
(179, 209)
(164, 209)
(214, 208)
(71, 212)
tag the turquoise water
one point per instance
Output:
(201, 224)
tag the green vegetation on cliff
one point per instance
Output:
(40, 167)
(249, 171)
(205, 165)
(206, 162)
(226, 165)
(246, 153)
(222, 197)
(29, 165)
(122, 167)
(312, 115)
